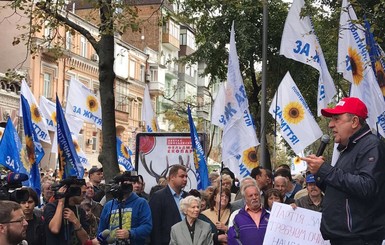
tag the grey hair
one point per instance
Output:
(243, 183)
(281, 177)
(186, 202)
(247, 186)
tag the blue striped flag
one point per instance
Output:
(69, 163)
(34, 148)
(199, 156)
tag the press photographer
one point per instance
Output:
(65, 221)
(127, 216)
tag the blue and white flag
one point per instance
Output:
(48, 110)
(148, 115)
(83, 103)
(231, 113)
(299, 42)
(355, 66)
(124, 155)
(199, 156)
(377, 57)
(291, 111)
(34, 148)
(12, 153)
(38, 121)
(69, 162)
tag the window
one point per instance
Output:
(68, 40)
(122, 102)
(47, 86)
(83, 46)
(66, 87)
(153, 75)
(140, 111)
(47, 30)
(142, 73)
(132, 68)
(171, 28)
(94, 138)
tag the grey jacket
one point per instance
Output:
(181, 235)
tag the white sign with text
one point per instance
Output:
(293, 227)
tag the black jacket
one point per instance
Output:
(353, 206)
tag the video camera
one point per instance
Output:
(119, 185)
(10, 185)
(71, 189)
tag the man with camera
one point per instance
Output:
(127, 216)
(65, 221)
(13, 225)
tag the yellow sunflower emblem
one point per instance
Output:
(1, 134)
(24, 160)
(297, 160)
(249, 158)
(76, 145)
(53, 117)
(124, 151)
(357, 66)
(196, 159)
(294, 112)
(92, 103)
(30, 147)
(380, 74)
(35, 113)
(153, 124)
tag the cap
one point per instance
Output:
(310, 178)
(95, 169)
(350, 105)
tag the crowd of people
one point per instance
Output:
(349, 194)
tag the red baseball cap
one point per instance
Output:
(350, 105)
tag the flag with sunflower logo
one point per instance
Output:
(38, 121)
(148, 115)
(355, 66)
(69, 162)
(299, 42)
(201, 171)
(11, 150)
(124, 155)
(34, 149)
(231, 113)
(1, 132)
(48, 110)
(83, 103)
(377, 57)
(289, 108)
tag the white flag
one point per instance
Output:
(148, 115)
(231, 113)
(48, 109)
(38, 120)
(299, 42)
(297, 124)
(355, 66)
(83, 103)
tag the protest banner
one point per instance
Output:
(295, 227)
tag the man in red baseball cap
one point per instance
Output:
(354, 188)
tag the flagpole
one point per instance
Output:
(263, 161)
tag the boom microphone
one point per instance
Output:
(324, 141)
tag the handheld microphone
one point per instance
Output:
(15, 178)
(102, 237)
(324, 141)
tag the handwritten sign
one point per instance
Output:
(293, 227)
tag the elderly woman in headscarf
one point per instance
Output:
(191, 230)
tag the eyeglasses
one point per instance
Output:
(21, 220)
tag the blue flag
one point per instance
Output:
(11, 150)
(124, 155)
(34, 148)
(199, 156)
(376, 57)
(69, 163)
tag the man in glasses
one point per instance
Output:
(13, 225)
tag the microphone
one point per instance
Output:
(110, 240)
(324, 141)
(14, 178)
(102, 237)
